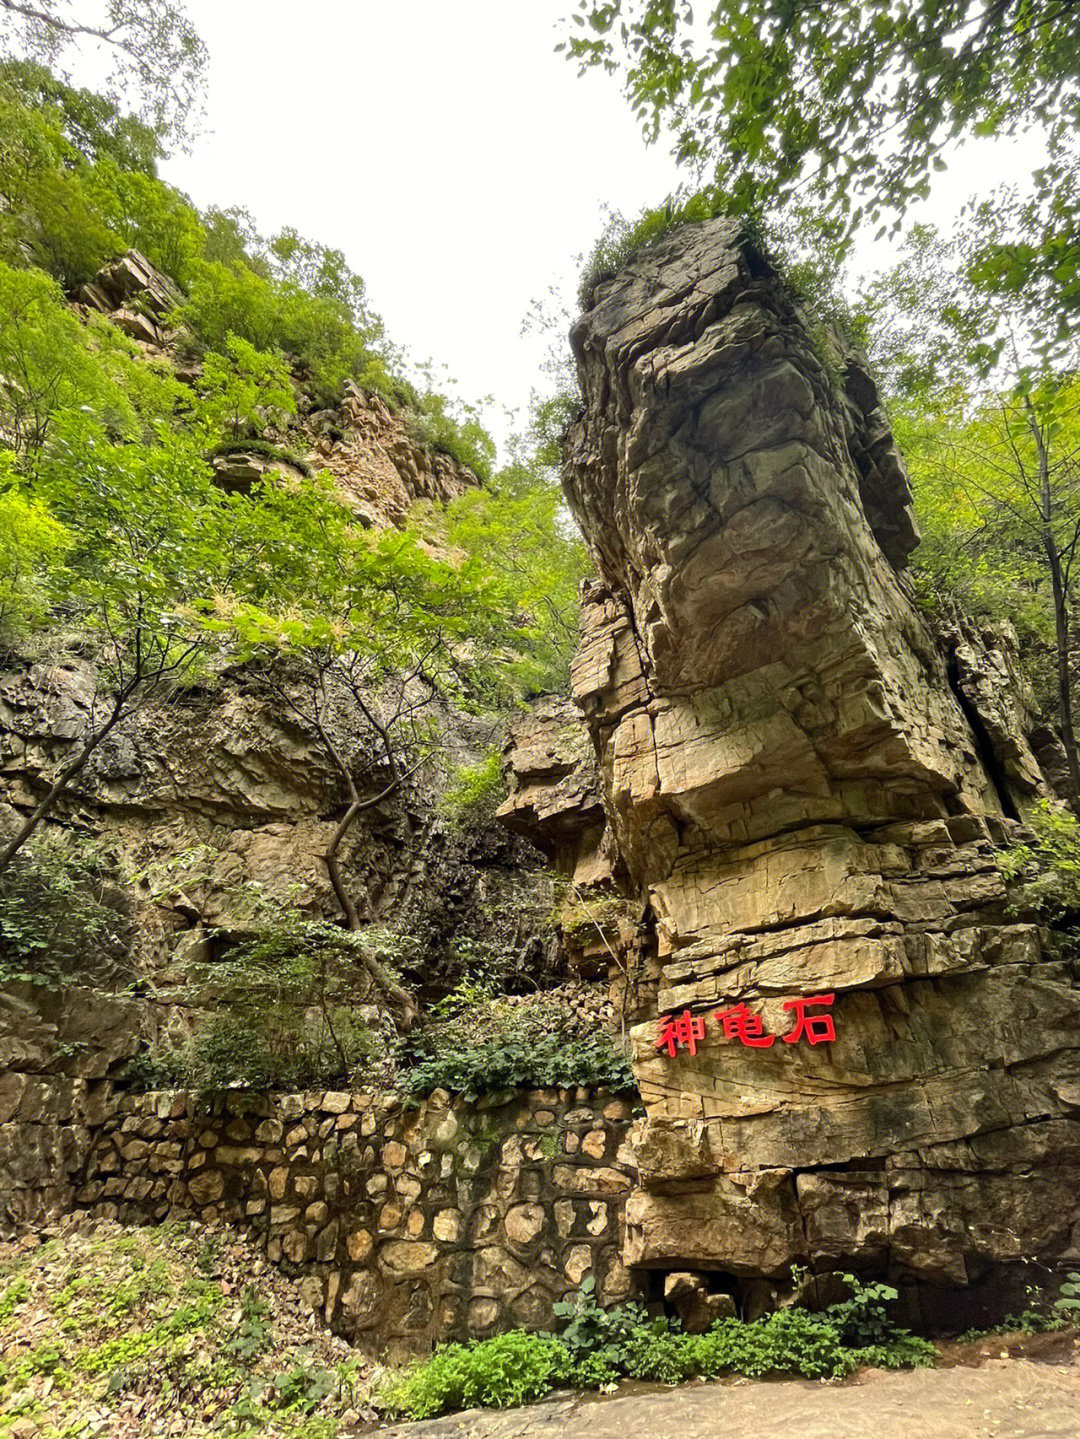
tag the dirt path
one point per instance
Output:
(1001, 1399)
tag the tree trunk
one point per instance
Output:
(67, 773)
(1059, 588)
(379, 973)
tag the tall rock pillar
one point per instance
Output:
(809, 808)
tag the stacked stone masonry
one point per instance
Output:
(403, 1225)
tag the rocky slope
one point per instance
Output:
(224, 788)
(805, 797)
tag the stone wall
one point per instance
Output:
(56, 1052)
(403, 1225)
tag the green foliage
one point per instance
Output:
(268, 449)
(120, 1323)
(496, 1046)
(623, 238)
(1047, 872)
(1067, 1304)
(145, 214)
(32, 548)
(600, 1344)
(63, 916)
(862, 1319)
(51, 364)
(280, 1004)
(12, 1296)
(473, 794)
(244, 390)
(155, 53)
(435, 423)
(509, 1369)
(520, 531)
(253, 1332)
(93, 125)
(780, 101)
(115, 522)
(990, 431)
(597, 1347)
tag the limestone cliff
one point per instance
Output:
(807, 798)
(222, 787)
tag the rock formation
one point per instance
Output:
(807, 798)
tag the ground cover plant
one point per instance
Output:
(111, 1330)
(597, 1347)
(477, 1043)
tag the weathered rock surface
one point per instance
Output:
(808, 799)
(377, 466)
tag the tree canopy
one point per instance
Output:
(153, 47)
(854, 105)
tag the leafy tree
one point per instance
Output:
(92, 124)
(244, 389)
(62, 914)
(32, 547)
(156, 547)
(153, 46)
(992, 432)
(282, 1000)
(437, 424)
(521, 531)
(386, 631)
(1047, 872)
(855, 100)
(144, 213)
(855, 103)
(232, 239)
(48, 363)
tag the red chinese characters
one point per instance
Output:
(683, 1030)
(686, 1030)
(738, 1023)
(818, 1028)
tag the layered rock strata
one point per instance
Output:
(809, 803)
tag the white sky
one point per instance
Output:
(456, 159)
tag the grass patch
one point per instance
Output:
(147, 1325)
(622, 238)
(264, 448)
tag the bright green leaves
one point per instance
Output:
(32, 549)
(853, 102)
(520, 532)
(50, 362)
(244, 390)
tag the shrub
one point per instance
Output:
(1067, 1304)
(283, 1001)
(519, 1048)
(433, 425)
(622, 238)
(62, 914)
(599, 1346)
(1048, 871)
(473, 795)
(508, 1369)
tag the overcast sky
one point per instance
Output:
(456, 159)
